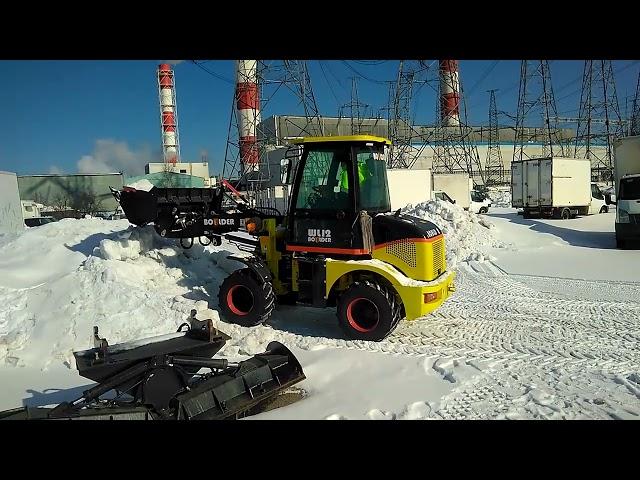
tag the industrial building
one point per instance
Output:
(81, 192)
(278, 129)
(169, 170)
(170, 180)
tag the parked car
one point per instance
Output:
(38, 221)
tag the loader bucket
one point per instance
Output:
(139, 206)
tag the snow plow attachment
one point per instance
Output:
(159, 379)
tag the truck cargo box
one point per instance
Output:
(551, 183)
(408, 186)
(11, 220)
(457, 185)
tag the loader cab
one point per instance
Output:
(336, 179)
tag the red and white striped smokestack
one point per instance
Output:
(168, 114)
(248, 107)
(449, 93)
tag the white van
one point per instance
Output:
(479, 202)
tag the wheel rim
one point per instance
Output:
(363, 315)
(566, 214)
(240, 300)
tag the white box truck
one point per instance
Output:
(30, 209)
(458, 188)
(626, 174)
(407, 186)
(555, 187)
(11, 220)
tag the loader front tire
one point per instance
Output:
(245, 300)
(368, 311)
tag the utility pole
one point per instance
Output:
(494, 168)
(535, 100)
(598, 101)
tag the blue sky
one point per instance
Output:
(60, 116)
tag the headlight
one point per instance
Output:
(623, 216)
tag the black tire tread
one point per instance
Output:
(389, 295)
(267, 293)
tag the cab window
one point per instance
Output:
(322, 186)
(596, 193)
(372, 179)
(630, 189)
(477, 196)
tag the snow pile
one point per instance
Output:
(500, 198)
(468, 237)
(142, 184)
(128, 245)
(61, 279)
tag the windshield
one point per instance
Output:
(596, 193)
(477, 196)
(629, 189)
(372, 177)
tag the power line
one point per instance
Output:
(213, 74)
(371, 62)
(620, 70)
(482, 78)
(334, 76)
(383, 82)
(329, 84)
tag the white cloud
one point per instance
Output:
(112, 156)
(55, 170)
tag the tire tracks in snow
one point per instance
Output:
(539, 353)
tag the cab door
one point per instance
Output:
(322, 208)
(597, 200)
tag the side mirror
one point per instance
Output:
(453, 201)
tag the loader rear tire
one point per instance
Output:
(368, 311)
(245, 300)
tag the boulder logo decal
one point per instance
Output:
(317, 235)
(219, 221)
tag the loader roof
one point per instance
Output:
(341, 138)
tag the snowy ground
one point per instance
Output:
(544, 322)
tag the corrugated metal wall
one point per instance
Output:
(72, 190)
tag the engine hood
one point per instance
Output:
(390, 227)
